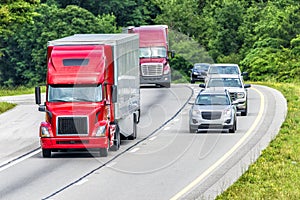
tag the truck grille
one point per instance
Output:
(149, 69)
(72, 126)
(211, 115)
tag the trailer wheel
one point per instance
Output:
(103, 152)
(46, 153)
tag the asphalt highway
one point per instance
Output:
(164, 162)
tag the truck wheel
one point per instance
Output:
(103, 152)
(167, 85)
(46, 153)
(117, 140)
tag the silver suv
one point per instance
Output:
(234, 84)
(212, 109)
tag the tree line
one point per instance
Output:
(262, 36)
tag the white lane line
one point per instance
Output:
(12, 163)
(218, 162)
(134, 150)
(152, 138)
(167, 128)
(82, 181)
(111, 164)
(176, 120)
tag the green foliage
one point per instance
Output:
(261, 36)
(188, 52)
(25, 58)
(127, 12)
(276, 174)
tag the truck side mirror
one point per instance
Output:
(114, 94)
(38, 95)
(172, 53)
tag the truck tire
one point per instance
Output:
(117, 140)
(167, 85)
(103, 152)
(46, 153)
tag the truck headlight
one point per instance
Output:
(101, 131)
(167, 69)
(45, 132)
(240, 95)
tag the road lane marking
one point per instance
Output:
(222, 159)
(16, 161)
(153, 138)
(81, 182)
(134, 150)
(167, 128)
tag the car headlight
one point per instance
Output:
(196, 73)
(227, 112)
(45, 132)
(240, 95)
(196, 112)
(101, 131)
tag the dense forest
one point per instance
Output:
(262, 36)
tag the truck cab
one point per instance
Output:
(154, 54)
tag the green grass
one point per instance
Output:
(4, 106)
(276, 173)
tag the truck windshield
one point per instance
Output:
(153, 52)
(71, 93)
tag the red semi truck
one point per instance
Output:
(154, 50)
(92, 93)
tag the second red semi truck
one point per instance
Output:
(154, 50)
(92, 93)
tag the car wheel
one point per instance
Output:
(192, 81)
(244, 113)
(192, 130)
(233, 129)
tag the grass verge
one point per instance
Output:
(4, 106)
(276, 173)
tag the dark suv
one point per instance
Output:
(199, 72)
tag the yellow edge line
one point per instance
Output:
(216, 164)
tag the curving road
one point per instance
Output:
(164, 162)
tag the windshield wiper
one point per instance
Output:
(57, 100)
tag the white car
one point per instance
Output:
(234, 84)
(225, 68)
(212, 110)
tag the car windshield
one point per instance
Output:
(212, 99)
(224, 82)
(153, 52)
(71, 93)
(201, 67)
(223, 70)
